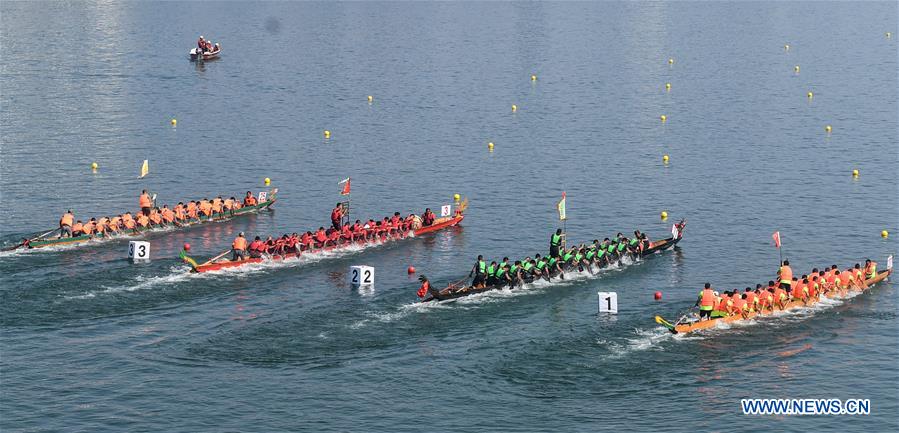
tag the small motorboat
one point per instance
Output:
(196, 55)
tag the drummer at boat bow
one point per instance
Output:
(337, 216)
(145, 202)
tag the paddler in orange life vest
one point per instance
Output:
(145, 202)
(706, 302)
(249, 200)
(425, 287)
(786, 276)
(65, 224)
(239, 248)
(337, 216)
(428, 218)
(870, 269)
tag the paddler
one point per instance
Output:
(337, 216)
(239, 248)
(786, 275)
(428, 218)
(201, 44)
(65, 224)
(425, 288)
(870, 269)
(145, 202)
(256, 248)
(491, 273)
(88, 227)
(555, 242)
(249, 200)
(706, 302)
(479, 270)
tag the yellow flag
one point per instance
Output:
(144, 169)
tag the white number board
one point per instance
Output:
(138, 251)
(263, 196)
(608, 302)
(362, 276)
(446, 210)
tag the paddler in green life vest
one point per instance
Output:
(565, 259)
(479, 271)
(527, 269)
(491, 273)
(578, 258)
(633, 245)
(540, 267)
(503, 278)
(590, 257)
(502, 265)
(553, 267)
(555, 241)
(515, 274)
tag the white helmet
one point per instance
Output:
(201, 36)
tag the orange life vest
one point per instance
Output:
(145, 200)
(708, 298)
(67, 219)
(786, 274)
(240, 243)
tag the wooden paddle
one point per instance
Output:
(216, 257)
(26, 241)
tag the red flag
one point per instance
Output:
(776, 237)
(346, 186)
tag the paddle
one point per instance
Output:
(27, 241)
(666, 324)
(216, 257)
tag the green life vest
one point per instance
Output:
(482, 266)
(611, 248)
(513, 269)
(556, 240)
(567, 256)
(541, 264)
(590, 254)
(633, 242)
(552, 261)
(578, 256)
(527, 266)
(500, 272)
(601, 253)
(621, 247)
(491, 270)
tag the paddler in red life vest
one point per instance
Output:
(333, 236)
(706, 302)
(337, 216)
(256, 248)
(201, 44)
(786, 276)
(358, 231)
(321, 239)
(65, 224)
(346, 233)
(145, 202)
(428, 218)
(752, 301)
(307, 242)
(239, 248)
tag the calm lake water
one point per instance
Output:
(92, 343)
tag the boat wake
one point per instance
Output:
(478, 300)
(141, 282)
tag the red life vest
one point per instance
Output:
(423, 290)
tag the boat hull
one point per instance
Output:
(217, 217)
(227, 264)
(686, 328)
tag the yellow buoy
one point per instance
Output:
(327, 134)
(268, 181)
(665, 159)
(828, 129)
(884, 234)
(456, 197)
(174, 122)
(811, 95)
(94, 166)
(787, 47)
(668, 87)
(514, 108)
(670, 61)
(664, 215)
(533, 78)
(370, 98)
(490, 146)
(796, 69)
(664, 118)
(855, 173)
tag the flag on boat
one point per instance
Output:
(346, 186)
(776, 237)
(561, 207)
(674, 231)
(890, 262)
(145, 168)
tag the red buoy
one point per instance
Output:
(411, 270)
(186, 246)
(658, 296)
